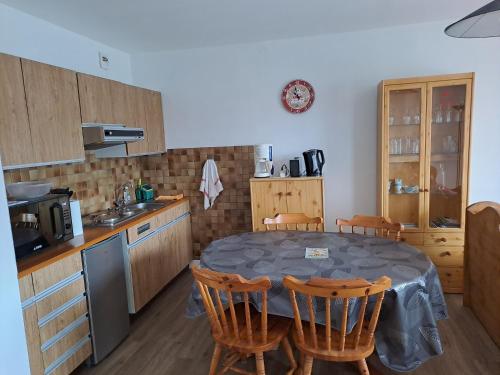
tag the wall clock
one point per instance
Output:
(298, 96)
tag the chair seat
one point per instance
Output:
(277, 329)
(363, 350)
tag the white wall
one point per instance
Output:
(231, 96)
(30, 37)
(13, 349)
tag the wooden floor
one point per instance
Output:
(163, 341)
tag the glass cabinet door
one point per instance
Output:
(404, 154)
(448, 115)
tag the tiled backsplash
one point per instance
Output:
(94, 181)
(179, 171)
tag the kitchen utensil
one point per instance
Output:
(26, 190)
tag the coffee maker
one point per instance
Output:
(263, 157)
(314, 160)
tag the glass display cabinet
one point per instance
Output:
(424, 127)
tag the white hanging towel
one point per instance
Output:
(210, 183)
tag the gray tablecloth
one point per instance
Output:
(407, 333)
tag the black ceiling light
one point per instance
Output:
(483, 23)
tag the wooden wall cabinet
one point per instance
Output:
(55, 317)
(109, 102)
(270, 196)
(159, 249)
(424, 130)
(54, 112)
(15, 133)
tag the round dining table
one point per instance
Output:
(407, 333)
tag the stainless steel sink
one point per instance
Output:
(148, 206)
(119, 215)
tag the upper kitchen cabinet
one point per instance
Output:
(96, 99)
(15, 131)
(146, 112)
(154, 119)
(54, 112)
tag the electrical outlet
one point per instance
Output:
(103, 61)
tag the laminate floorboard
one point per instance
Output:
(163, 341)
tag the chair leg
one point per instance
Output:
(289, 353)
(259, 361)
(308, 366)
(363, 367)
(215, 359)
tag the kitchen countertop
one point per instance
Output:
(90, 236)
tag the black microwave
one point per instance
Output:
(39, 223)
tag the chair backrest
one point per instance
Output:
(292, 222)
(381, 226)
(218, 289)
(344, 291)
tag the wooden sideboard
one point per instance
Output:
(482, 265)
(271, 196)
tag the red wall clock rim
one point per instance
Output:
(293, 83)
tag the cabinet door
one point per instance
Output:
(305, 196)
(137, 114)
(268, 199)
(154, 119)
(95, 99)
(54, 112)
(15, 135)
(403, 156)
(447, 167)
(120, 105)
(145, 265)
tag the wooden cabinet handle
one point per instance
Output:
(445, 254)
(403, 239)
(289, 193)
(442, 239)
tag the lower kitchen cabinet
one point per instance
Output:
(56, 317)
(155, 259)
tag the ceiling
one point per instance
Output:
(155, 25)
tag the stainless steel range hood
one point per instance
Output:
(96, 136)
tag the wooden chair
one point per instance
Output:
(292, 221)
(240, 329)
(323, 342)
(382, 226)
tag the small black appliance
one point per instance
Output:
(295, 167)
(314, 160)
(40, 222)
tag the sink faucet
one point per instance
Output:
(125, 194)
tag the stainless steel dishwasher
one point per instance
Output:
(107, 295)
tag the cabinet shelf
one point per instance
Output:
(447, 156)
(404, 158)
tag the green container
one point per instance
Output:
(146, 192)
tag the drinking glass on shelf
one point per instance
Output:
(399, 146)
(448, 114)
(407, 118)
(407, 146)
(415, 145)
(416, 118)
(446, 145)
(438, 115)
(391, 120)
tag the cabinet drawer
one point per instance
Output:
(452, 279)
(26, 287)
(59, 298)
(449, 256)
(173, 213)
(142, 229)
(74, 360)
(66, 342)
(61, 321)
(50, 275)
(411, 238)
(444, 239)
